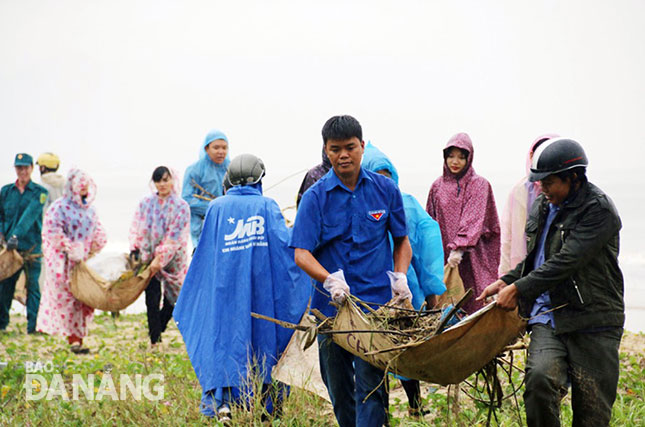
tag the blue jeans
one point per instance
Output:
(349, 379)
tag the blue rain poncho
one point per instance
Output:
(242, 264)
(209, 175)
(425, 275)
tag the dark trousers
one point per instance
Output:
(589, 360)
(413, 391)
(349, 380)
(8, 287)
(157, 318)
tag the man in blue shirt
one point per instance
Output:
(21, 220)
(341, 241)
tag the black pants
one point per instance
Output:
(413, 391)
(588, 359)
(157, 318)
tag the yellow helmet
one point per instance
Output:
(49, 160)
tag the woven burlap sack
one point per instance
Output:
(301, 368)
(462, 350)
(351, 318)
(10, 263)
(447, 358)
(91, 289)
(454, 286)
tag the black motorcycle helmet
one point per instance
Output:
(556, 155)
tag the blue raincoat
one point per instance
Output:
(425, 275)
(209, 175)
(242, 264)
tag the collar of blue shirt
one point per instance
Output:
(333, 181)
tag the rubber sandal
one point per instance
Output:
(77, 349)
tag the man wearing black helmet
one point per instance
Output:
(570, 288)
(242, 264)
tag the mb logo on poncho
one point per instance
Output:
(253, 226)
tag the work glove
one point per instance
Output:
(76, 252)
(399, 285)
(337, 287)
(455, 257)
(12, 243)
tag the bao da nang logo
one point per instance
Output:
(89, 386)
(252, 226)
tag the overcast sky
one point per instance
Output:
(119, 87)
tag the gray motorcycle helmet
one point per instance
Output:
(556, 155)
(226, 185)
(244, 169)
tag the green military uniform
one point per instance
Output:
(21, 215)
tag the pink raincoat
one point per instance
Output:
(71, 232)
(161, 228)
(464, 207)
(515, 213)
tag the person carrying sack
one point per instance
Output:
(21, 215)
(570, 287)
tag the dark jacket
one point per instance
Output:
(21, 214)
(581, 262)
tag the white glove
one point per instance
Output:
(400, 289)
(76, 251)
(337, 287)
(455, 257)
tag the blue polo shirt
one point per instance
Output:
(348, 230)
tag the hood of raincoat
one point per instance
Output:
(375, 160)
(208, 168)
(529, 155)
(463, 141)
(76, 180)
(211, 136)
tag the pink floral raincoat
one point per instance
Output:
(515, 213)
(71, 232)
(464, 207)
(161, 228)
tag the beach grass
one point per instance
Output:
(120, 352)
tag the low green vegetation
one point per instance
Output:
(169, 392)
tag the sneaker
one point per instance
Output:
(224, 415)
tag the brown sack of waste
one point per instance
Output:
(447, 358)
(20, 294)
(10, 263)
(91, 289)
(454, 286)
(300, 367)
